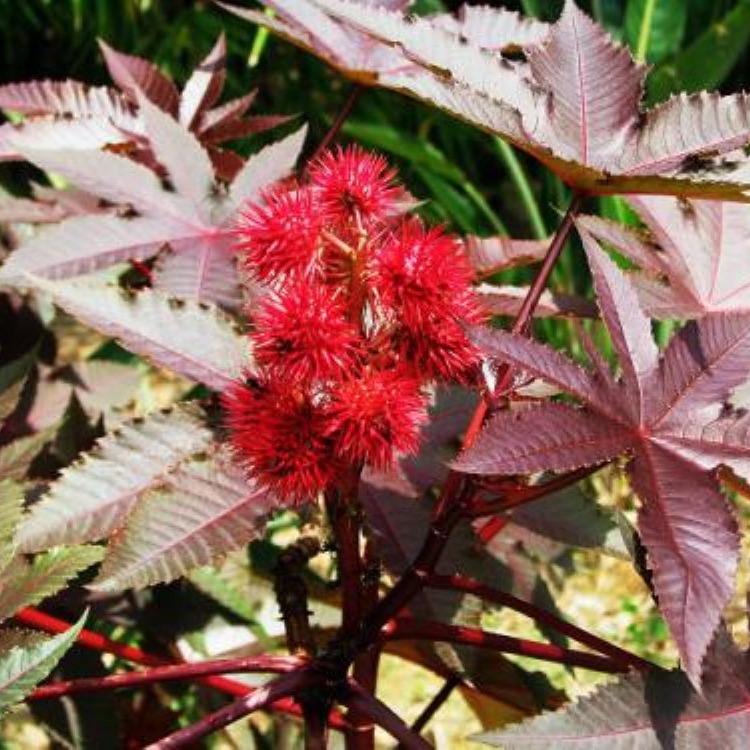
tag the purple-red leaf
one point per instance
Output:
(551, 437)
(669, 416)
(698, 247)
(178, 150)
(693, 546)
(195, 218)
(133, 74)
(203, 509)
(82, 244)
(204, 86)
(595, 86)
(574, 102)
(58, 132)
(644, 711)
(64, 98)
(192, 340)
(202, 272)
(492, 28)
(355, 54)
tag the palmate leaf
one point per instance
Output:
(29, 583)
(573, 104)
(668, 415)
(657, 710)
(356, 55)
(193, 340)
(91, 498)
(196, 217)
(50, 205)
(698, 247)
(202, 510)
(73, 115)
(22, 668)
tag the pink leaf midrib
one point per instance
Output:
(582, 95)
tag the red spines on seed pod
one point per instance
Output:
(303, 334)
(281, 235)
(355, 187)
(280, 433)
(362, 310)
(375, 416)
(423, 274)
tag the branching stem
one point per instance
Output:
(470, 586)
(281, 687)
(96, 642)
(277, 664)
(406, 628)
(358, 699)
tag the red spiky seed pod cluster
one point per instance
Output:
(364, 307)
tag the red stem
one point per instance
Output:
(96, 642)
(470, 586)
(36, 619)
(456, 495)
(281, 687)
(412, 581)
(361, 701)
(277, 664)
(522, 323)
(491, 528)
(523, 494)
(408, 629)
(345, 523)
(367, 661)
(337, 124)
(316, 729)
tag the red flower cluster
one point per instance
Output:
(363, 307)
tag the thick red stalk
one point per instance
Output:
(281, 687)
(367, 661)
(276, 664)
(343, 517)
(361, 701)
(316, 729)
(412, 581)
(410, 629)
(492, 527)
(470, 586)
(96, 642)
